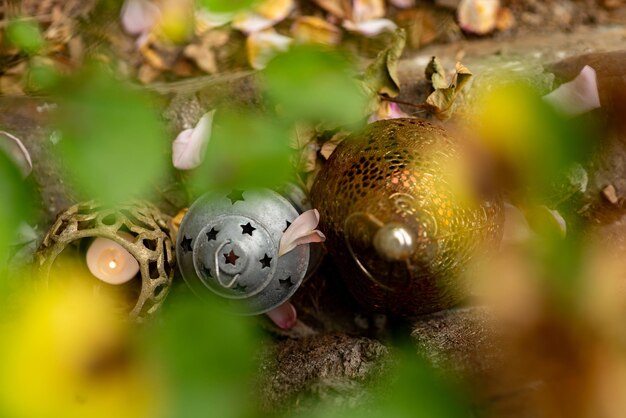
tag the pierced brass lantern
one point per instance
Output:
(151, 246)
(403, 215)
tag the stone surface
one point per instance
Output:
(461, 341)
(298, 374)
(27, 119)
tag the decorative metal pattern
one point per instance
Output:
(152, 246)
(227, 246)
(402, 173)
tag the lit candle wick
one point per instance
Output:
(110, 262)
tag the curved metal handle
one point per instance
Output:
(217, 267)
(360, 265)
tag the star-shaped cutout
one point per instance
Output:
(265, 261)
(231, 257)
(247, 229)
(287, 227)
(212, 234)
(186, 244)
(235, 196)
(207, 271)
(286, 283)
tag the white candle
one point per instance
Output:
(110, 262)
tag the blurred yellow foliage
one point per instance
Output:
(176, 23)
(68, 354)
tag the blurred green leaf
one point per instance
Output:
(209, 359)
(25, 35)
(246, 150)
(311, 83)
(17, 203)
(537, 143)
(226, 6)
(411, 389)
(41, 77)
(113, 142)
(417, 391)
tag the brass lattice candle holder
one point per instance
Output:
(150, 245)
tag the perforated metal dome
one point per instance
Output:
(227, 245)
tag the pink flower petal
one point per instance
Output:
(301, 231)
(142, 40)
(284, 316)
(311, 237)
(577, 96)
(190, 145)
(138, 16)
(387, 110)
(370, 27)
(16, 150)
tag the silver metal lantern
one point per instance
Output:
(227, 245)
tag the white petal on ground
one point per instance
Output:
(264, 16)
(16, 150)
(478, 16)
(252, 22)
(370, 27)
(403, 4)
(577, 96)
(206, 20)
(364, 10)
(261, 47)
(138, 16)
(284, 316)
(190, 145)
(301, 231)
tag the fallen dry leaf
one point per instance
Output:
(203, 52)
(329, 146)
(337, 8)
(312, 29)
(440, 102)
(381, 77)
